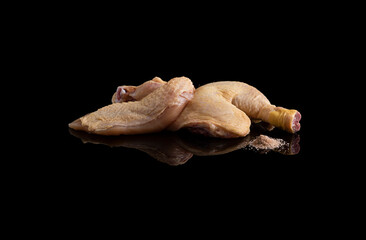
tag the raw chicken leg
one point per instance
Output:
(223, 109)
(153, 113)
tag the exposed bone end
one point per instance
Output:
(124, 94)
(120, 92)
(291, 121)
(117, 96)
(136, 93)
(295, 124)
(286, 119)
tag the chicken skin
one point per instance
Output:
(221, 109)
(153, 113)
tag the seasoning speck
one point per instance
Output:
(263, 142)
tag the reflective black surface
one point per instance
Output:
(183, 163)
(176, 148)
(177, 158)
(74, 176)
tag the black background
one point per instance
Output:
(66, 61)
(278, 63)
(87, 61)
(81, 59)
(276, 58)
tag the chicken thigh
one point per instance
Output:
(212, 113)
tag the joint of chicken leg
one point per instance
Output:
(136, 93)
(124, 94)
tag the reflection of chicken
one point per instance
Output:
(166, 147)
(220, 109)
(178, 147)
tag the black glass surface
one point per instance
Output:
(73, 175)
(84, 80)
(182, 149)
(177, 148)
